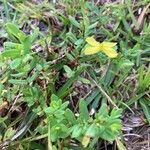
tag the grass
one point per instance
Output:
(52, 95)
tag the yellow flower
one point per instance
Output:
(95, 47)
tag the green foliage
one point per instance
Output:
(52, 96)
(21, 59)
(143, 79)
(63, 123)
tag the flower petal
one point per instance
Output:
(91, 41)
(91, 50)
(108, 44)
(110, 52)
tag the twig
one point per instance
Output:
(142, 15)
(132, 134)
(49, 138)
(15, 101)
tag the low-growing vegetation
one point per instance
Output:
(74, 75)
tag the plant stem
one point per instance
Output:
(49, 137)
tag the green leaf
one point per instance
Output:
(93, 25)
(2, 119)
(9, 133)
(18, 82)
(84, 114)
(103, 110)
(15, 63)
(74, 22)
(27, 45)
(92, 131)
(70, 116)
(115, 113)
(71, 37)
(108, 135)
(146, 108)
(64, 105)
(84, 80)
(146, 81)
(115, 126)
(125, 63)
(36, 146)
(34, 34)
(33, 77)
(14, 53)
(77, 131)
(54, 98)
(1, 88)
(11, 45)
(79, 42)
(14, 30)
(92, 96)
(143, 79)
(69, 72)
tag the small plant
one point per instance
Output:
(64, 84)
(24, 67)
(82, 127)
(19, 57)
